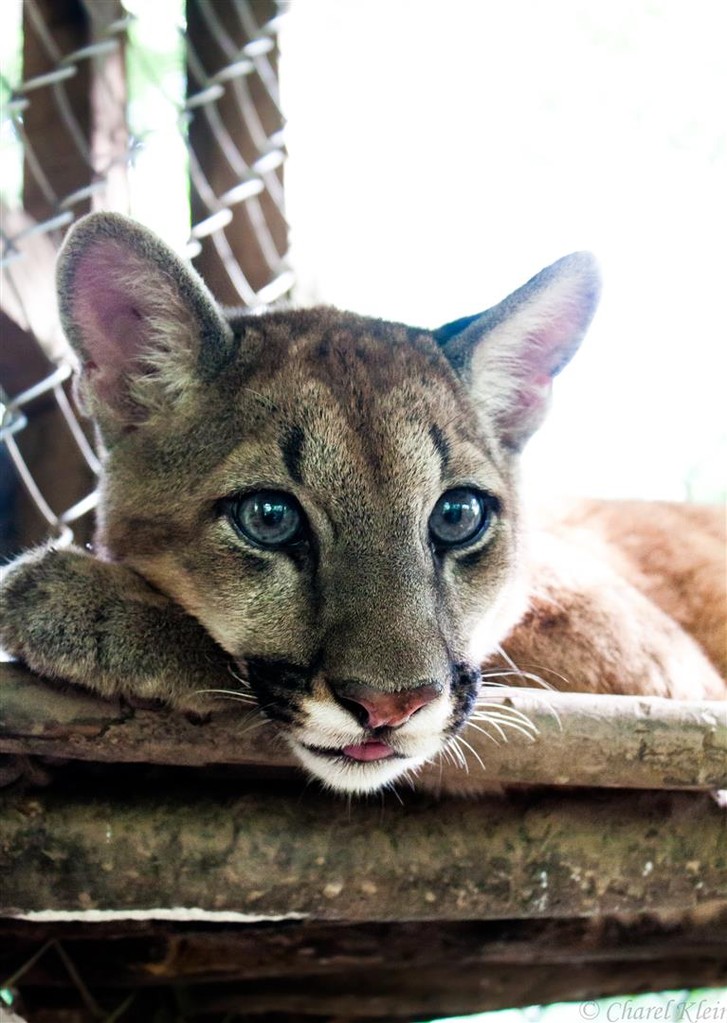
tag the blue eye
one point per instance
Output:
(460, 517)
(267, 518)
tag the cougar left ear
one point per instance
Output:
(146, 329)
(509, 355)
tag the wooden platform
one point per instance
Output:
(241, 888)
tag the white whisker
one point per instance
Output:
(504, 710)
(229, 694)
(552, 671)
(253, 726)
(516, 728)
(250, 717)
(457, 752)
(496, 706)
(523, 674)
(537, 678)
(521, 725)
(473, 751)
(478, 728)
(447, 755)
(391, 787)
(505, 713)
(238, 678)
(517, 673)
(451, 759)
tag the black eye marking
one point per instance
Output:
(270, 519)
(291, 448)
(460, 517)
(441, 446)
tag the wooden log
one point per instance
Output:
(125, 842)
(581, 739)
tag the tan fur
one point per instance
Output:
(363, 426)
(661, 633)
(675, 554)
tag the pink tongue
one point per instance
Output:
(368, 751)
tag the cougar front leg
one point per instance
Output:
(100, 625)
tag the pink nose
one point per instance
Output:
(375, 708)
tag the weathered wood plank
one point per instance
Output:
(604, 741)
(131, 840)
(391, 971)
(151, 952)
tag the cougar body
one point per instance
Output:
(318, 513)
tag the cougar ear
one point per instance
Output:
(509, 355)
(145, 328)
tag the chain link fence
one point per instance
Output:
(68, 148)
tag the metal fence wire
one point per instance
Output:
(66, 126)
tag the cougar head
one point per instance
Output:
(333, 497)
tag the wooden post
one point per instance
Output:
(55, 163)
(75, 146)
(75, 121)
(231, 125)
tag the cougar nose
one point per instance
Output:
(376, 708)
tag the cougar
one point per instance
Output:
(317, 513)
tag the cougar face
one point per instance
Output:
(332, 497)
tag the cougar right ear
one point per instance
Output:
(146, 329)
(508, 356)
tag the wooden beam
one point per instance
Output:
(118, 841)
(577, 739)
(383, 972)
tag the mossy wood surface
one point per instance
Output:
(130, 839)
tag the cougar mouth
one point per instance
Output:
(368, 750)
(360, 768)
(334, 747)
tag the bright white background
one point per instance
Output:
(443, 152)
